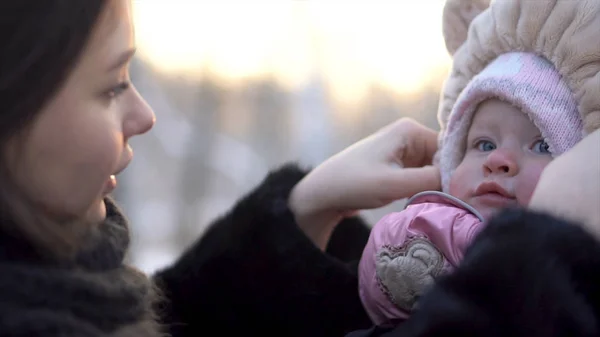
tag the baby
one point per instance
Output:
(504, 128)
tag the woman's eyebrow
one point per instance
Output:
(122, 59)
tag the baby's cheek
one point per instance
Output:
(458, 185)
(528, 180)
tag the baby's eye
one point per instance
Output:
(485, 145)
(541, 147)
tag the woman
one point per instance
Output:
(68, 111)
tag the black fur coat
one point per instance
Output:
(254, 273)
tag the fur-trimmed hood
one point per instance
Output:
(565, 32)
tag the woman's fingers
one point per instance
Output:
(415, 144)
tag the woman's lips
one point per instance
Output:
(110, 185)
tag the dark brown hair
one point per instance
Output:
(42, 42)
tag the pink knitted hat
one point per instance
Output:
(529, 82)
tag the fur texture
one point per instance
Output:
(255, 273)
(458, 15)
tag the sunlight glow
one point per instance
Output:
(397, 44)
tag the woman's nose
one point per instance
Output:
(139, 119)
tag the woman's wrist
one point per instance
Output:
(312, 215)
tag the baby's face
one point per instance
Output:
(504, 158)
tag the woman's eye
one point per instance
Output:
(118, 89)
(541, 147)
(485, 145)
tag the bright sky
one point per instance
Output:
(396, 43)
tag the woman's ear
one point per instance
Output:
(457, 16)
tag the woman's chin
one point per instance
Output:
(97, 212)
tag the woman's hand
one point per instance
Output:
(393, 163)
(570, 185)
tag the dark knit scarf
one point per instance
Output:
(94, 295)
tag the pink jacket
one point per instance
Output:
(407, 250)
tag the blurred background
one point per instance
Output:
(241, 87)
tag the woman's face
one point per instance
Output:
(67, 162)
